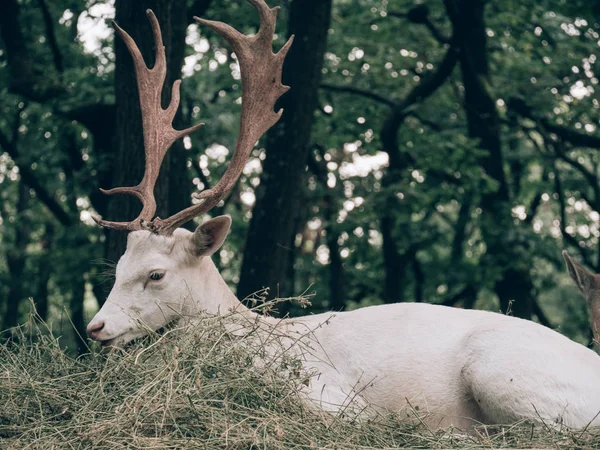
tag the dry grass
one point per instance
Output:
(199, 388)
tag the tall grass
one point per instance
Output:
(204, 386)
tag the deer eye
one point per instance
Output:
(156, 276)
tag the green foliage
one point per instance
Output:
(541, 54)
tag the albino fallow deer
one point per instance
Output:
(462, 367)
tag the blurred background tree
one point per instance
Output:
(430, 151)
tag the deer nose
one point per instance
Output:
(93, 329)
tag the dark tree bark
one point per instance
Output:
(419, 278)
(180, 187)
(77, 317)
(15, 259)
(44, 271)
(460, 232)
(337, 279)
(57, 56)
(513, 284)
(393, 261)
(128, 144)
(278, 197)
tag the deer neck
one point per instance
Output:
(210, 292)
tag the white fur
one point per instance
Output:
(457, 367)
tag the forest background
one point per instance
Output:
(430, 151)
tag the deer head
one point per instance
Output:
(589, 285)
(166, 272)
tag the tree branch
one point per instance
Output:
(536, 201)
(389, 132)
(573, 137)
(420, 14)
(51, 35)
(31, 180)
(361, 92)
(558, 151)
(587, 174)
(460, 230)
(533, 207)
(569, 135)
(433, 125)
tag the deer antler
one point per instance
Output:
(159, 133)
(260, 71)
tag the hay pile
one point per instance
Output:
(198, 388)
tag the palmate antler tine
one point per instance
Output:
(261, 71)
(158, 130)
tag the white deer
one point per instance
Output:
(461, 367)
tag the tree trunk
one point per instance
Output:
(77, 317)
(337, 282)
(129, 144)
(419, 278)
(15, 259)
(513, 282)
(44, 272)
(265, 257)
(394, 270)
(180, 186)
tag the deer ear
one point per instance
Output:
(209, 236)
(579, 274)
